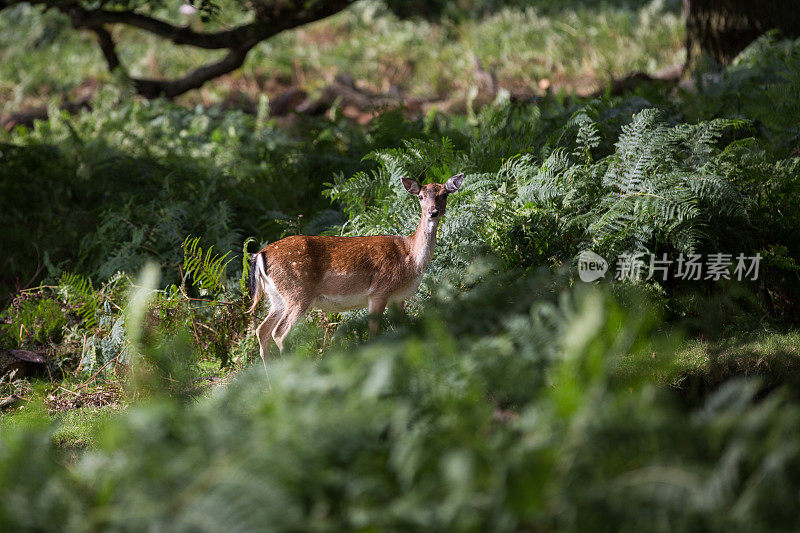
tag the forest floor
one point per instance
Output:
(76, 407)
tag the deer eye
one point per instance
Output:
(420, 197)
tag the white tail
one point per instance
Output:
(342, 273)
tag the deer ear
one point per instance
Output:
(454, 183)
(411, 185)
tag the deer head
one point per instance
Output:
(433, 196)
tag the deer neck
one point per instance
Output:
(423, 242)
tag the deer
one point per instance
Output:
(337, 274)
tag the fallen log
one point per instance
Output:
(27, 117)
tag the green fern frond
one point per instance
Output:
(77, 290)
(661, 186)
(205, 269)
(244, 280)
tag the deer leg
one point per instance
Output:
(277, 309)
(264, 330)
(287, 321)
(376, 306)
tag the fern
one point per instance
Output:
(77, 290)
(100, 349)
(587, 137)
(780, 109)
(207, 270)
(661, 186)
(357, 193)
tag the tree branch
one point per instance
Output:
(150, 88)
(169, 89)
(106, 43)
(82, 18)
(280, 16)
(271, 18)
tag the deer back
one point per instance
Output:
(310, 266)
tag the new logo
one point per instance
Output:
(591, 266)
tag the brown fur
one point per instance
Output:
(342, 273)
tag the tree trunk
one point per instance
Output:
(723, 28)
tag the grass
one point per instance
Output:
(577, 46)
(71, 427)
(696, 366)
(78, 428)
(770, 354)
